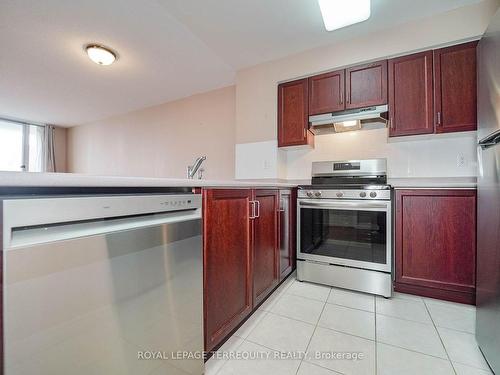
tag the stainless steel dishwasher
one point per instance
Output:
(103, 285)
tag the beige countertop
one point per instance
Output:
(433, 182)
(83, 180)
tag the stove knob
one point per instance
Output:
(317, 194)
(340, 194)
(309, 194)
(373, 194)
(362, 194)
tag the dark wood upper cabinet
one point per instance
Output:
(455, 88)
(326, 92)
(265, 259)
(427, 92)
(436, 243)
(293, 114)
(410, 95)
(366, 85)
(228, 281)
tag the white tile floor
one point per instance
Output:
(402, 335)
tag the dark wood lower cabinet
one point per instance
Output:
(287, 224)
(265, 244)
(436, 243)
(228, 258)
(241, 256)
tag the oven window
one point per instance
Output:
(346, 234)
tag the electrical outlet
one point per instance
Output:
(461, 161)
(267, 164)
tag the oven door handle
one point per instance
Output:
(343, 205)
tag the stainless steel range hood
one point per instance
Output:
(367, 117)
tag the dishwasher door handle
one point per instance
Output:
(67, 231)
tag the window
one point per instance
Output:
(21, 146)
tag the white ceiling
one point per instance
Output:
(168, 49)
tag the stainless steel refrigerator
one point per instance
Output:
(488, 230)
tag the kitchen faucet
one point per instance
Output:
(192, 169)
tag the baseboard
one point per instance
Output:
(447, 295)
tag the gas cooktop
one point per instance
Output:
(349, 179)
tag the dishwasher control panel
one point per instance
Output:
(180, 203)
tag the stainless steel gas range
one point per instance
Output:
(344, 223)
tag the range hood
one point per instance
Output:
(351, 119)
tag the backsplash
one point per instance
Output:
(444, 155)
(430, 156)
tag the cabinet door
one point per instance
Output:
(265, 259)
(455, 88)
(326, 92)
(436, 243)
(410, 95)
(293, 116)
(286, 232)
(366, 85)
(228, 256)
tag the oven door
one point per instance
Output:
(348, 233)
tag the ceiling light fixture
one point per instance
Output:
(340, 13)
(100, 55)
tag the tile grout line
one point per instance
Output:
(264, 313)
(450, 329)
(274, 350)
(408, 320)
(349, 307)
(413, 351)
(328, 328)
(314, 331)
(294, 319)
(428, 324)
(440, 339)
(325, 368)
(301, 296)
(317, 324)
(312, 363)
(234, 349)
(364, 338)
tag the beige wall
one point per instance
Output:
(160, 141)
(256, 93)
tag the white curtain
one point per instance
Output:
(49, 159)
(35, 148)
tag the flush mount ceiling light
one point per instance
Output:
(100, 55)
(340, 13)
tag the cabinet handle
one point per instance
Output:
(439, 118)
(341, 98)
(280, 208)
(252, 210)
(257, 204)
(391, 123)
